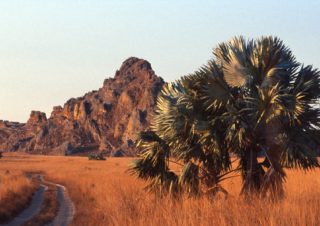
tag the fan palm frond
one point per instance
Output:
(233, 58)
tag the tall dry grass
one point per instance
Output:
(16, 192)
(105, 194)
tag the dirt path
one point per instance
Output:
(66, 208)
(32, 210)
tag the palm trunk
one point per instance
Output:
(273, 180)
(253, 174)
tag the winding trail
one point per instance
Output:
(33, 209)
(66, 207)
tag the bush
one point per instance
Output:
(94, 156)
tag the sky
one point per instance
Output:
(51, 51)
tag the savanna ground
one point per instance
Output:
(104, 193)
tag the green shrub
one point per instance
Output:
(94, 156)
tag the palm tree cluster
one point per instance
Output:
(252, 100)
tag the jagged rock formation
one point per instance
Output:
(105, 120)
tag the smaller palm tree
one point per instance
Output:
(180, 135)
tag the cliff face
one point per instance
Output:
(104, 120)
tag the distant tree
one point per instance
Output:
(252, 99)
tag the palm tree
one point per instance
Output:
(252, 98)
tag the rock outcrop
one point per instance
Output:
(105, 120)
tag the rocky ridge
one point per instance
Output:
(105, 120)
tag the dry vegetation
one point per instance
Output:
(16, 192)
(105, 194)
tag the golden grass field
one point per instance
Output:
(15, 192)
(104, 193)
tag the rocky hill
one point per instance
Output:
(105, 120)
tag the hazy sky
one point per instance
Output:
(53, 50)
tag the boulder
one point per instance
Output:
(37, 118)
